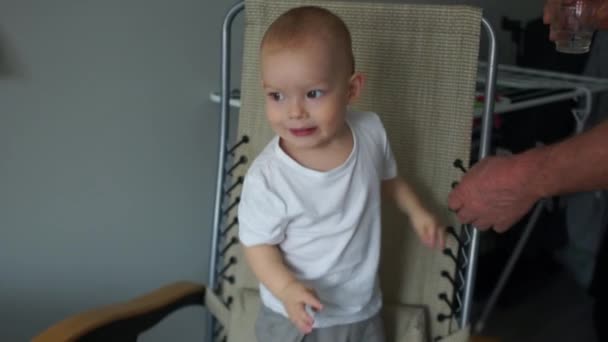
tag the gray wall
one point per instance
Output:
(107, 152)
(107, 155)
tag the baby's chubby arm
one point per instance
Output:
(426, 225)
(267, 264)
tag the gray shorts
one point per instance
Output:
(273, 327)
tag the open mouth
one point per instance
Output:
(302, 132)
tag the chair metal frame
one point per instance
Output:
(471, 234)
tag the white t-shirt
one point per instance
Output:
(326, 224)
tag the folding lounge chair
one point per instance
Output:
(421, 67)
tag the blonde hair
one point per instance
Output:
(298, 25)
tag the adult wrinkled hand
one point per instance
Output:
(495, 193)
(600, 18)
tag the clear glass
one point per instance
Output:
(572, 25)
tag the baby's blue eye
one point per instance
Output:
(276, 96)
(313, 94)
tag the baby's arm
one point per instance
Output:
(426, 224)
(267, 264)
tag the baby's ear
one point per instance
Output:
(357, 80)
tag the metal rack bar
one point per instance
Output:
(224, 115)
(484, 150)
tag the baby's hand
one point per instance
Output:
(295, 296)
(428, 229)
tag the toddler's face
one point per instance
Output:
(307, 92)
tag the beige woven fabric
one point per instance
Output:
(216, 307)
(420, 62)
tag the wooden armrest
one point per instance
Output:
(125, 321)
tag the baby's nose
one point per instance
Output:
(297, 111)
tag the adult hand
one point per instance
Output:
(600, 17)
(496, 192)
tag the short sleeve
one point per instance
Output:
(261, 213)
(389, 165)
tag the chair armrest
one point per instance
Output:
(125, 321)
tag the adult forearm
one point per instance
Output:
(576, 164)
(498, 191)
(267, 264)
